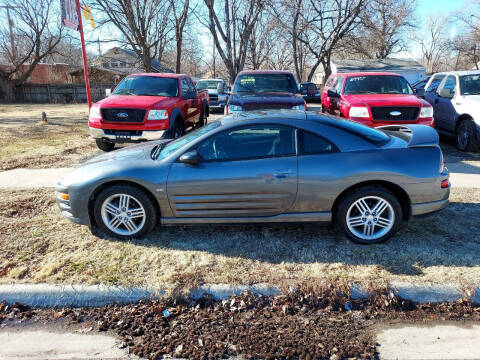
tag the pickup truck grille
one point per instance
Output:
(384, 113)
(213, 97)
(123, 115)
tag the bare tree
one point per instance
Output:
(467, 45)
(231, 26)
(36, 32)
(382, 29)
(180, 14)
(144, 25)
(262, 41)
(434, 44)
(324, 25)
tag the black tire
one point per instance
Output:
(364, 192)
(150, 211)
(466, 139)
(323, 109)
(105, 145)
(177, 130)
(202, 121)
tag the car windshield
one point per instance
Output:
(174, 145)
(470, 84)
(147, 86)
(263, 83)
(377, 84)
(208, 84)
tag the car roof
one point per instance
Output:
(161, 75)
(460, 72)
(366, 73)
(211, 79)
(251, 72)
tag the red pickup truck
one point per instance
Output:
(148, 107)
(375, 99)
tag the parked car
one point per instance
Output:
(148, 107)
(375, 99)
(217, 91)
(310, 92)
(455, 97)
(264, 167)
(420, 84)
(264, 89)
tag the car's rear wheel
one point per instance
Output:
(369, 215)
(125, 212)
(105, 145)
(466, 136)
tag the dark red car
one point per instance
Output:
(375, 99)
(148, 107)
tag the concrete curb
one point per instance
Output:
(45, 295)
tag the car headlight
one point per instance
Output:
(426, 112)
(299, 107)
(233, 108)
(359, 111)
(157, 115)
(95, 112)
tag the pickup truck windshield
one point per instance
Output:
(208, 84)
(263, 83)
(377, 84)
(147, 86)
(470, 84)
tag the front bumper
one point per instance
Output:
(145, 135)
(66, 209)
(218, 104)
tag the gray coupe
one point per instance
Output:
(264, 167)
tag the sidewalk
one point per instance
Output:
(461, 176)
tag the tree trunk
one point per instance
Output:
(178, 65)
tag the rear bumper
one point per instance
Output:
(429, 207)
(145, 135)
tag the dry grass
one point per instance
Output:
(38, 245)
(27, 143)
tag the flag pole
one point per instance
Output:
(84, 54)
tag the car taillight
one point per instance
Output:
(305, 105)
(442, 162)
(445, 184)
(226, 110)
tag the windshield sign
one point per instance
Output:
(147, 86)
(470, 84)
(208, 84)
(377, 84)
(264, 83)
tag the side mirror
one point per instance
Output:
(190, 158)
(446, 93)
(332, 94)
(420, 93)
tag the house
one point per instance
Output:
(126, 62)
(412, 70)
(96, 75)
(43, 73)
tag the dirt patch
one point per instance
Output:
(27, 143)
(25, 204)
(310, 323)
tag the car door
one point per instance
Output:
(325, 99)
(445, 111)
(245, 171)
(196, 103)
(335, 103)
(431, 92)
(186, 105)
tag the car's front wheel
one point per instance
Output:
(125, 212)
(369, 215)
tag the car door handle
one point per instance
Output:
(282, 174)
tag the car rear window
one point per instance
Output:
(372, 135)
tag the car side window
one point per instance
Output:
(329, 82)
(249, 142)
(310, 143)
(437, 79)
(185, 86)
(339, 85)
(190, 84)
(450, 83)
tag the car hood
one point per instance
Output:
(258, 101)
(133, 101)
(384, 100)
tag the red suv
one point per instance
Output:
(375, 99)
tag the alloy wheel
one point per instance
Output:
(123, 214)
(370, 217)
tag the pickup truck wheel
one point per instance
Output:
(178, 129)
(466, 136)
(105, 145)
(124, 212)
(201, 121)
